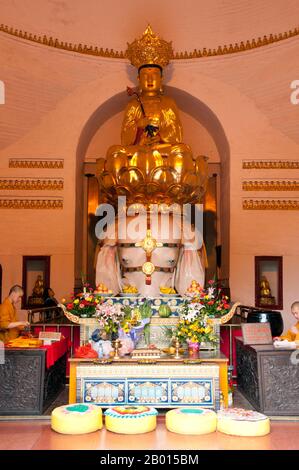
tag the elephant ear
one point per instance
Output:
(107, 268)
(189, 265)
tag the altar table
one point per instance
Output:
(31, 378)
(269, 378)
(167, 383)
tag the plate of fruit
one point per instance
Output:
(168, 292)
(129, 291)
(103, 290)
(171, 351)
(194, 289)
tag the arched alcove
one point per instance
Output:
(189, 105)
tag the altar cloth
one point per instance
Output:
(54, 351)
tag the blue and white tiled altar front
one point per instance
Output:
(161, 386)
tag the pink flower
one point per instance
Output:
(81, 305)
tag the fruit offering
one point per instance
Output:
(167, 290)
(164, 311)
(129, 289)
(195, 288)
(102, 289)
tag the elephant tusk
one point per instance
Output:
(230, 314)
(70, 316)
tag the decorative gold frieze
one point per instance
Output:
(36, 163)
(267, 185)
(111, 53)
(34, 184)
(10, 203)
(270, 164)
(273, 204)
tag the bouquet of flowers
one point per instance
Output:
(110, 317)
(193, 325)
(83, 305)
(137, 320)
(197, 311)
(213, 301)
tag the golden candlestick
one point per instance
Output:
(116, 345)
(177, 349)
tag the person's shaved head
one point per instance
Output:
(16, 289)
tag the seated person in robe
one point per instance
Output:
(49, 301)
(49, 298)
(9, 325)
(293, 333)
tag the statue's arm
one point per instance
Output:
(129, 125)
(171, 127)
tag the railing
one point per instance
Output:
(44, 315)
(53, 319)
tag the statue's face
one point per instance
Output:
(150, 79)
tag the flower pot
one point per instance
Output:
(193, 349)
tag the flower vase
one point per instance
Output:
(193, 350)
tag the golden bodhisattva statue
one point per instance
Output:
(152, 159)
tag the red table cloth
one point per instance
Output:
(55, 351)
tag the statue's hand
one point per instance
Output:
(143, 122)
(151, 131)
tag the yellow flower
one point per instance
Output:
(76, 301)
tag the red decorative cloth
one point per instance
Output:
(86, 352)
(55, 351)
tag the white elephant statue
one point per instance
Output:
(177, 257)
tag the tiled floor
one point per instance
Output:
(37, 435)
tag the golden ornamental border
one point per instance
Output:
(270, 165)
(112, 54)
(36, 163)
(8, 203)
(273, 204)
(27, 184)
(273, 185)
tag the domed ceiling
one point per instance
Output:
(38, 78)
(189, 24)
